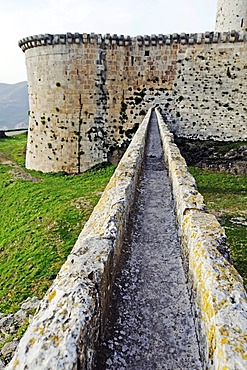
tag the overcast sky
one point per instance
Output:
(22, 18)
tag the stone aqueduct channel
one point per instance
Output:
(176, 302)
(153, 325)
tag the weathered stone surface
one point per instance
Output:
(29, 304)
(9, 348)
(2, 364)
(184, 185)
(9, 325)
(151, 323)
(63, 333)
(64, 330)
(218, 292)
(231, 15)
(88, 98)
(219, 295)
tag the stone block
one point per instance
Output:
(66, 327)
(219, 297)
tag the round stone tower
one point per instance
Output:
(231, 15)
(66, 118)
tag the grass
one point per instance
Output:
(40, 222)
(226, 196)
(14, 148)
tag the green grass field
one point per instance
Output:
(41, 218)
(226, 196)
(43, 214)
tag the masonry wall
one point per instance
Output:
(218, 295)
(231, 15)
(209, 100)
(63, 96)
(88, 93)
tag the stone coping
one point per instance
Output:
(68, 322)
(121, 40)
(220, 301)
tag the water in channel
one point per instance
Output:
(151, 322)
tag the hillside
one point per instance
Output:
(13, 105)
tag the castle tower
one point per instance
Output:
(231, 15)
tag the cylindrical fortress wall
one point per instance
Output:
(231, 15)
(61, 82)
(88, 93)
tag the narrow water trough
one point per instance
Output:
(160, 317)
(151, 322)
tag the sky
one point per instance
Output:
(22, 18)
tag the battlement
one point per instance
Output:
(88, 92)
(146, 40)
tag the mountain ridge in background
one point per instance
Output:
(13, 105)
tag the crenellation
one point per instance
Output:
(216, 37)
(105, 83)
(183, 39)
(78, 38)
(121, 41)
(168, 39)
(191, 39)
(199, 38)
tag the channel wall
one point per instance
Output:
(69, 320)
(71, 316)
(218, 295)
